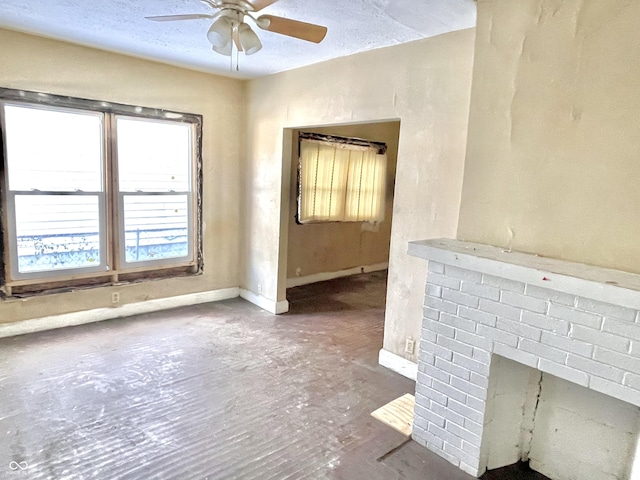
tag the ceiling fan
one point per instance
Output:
(229, 26)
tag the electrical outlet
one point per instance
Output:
(259, 289)
(298, 271)
(409, 345)
(115, 297)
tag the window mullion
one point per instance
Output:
(111, 191)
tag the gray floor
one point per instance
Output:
(215, 391)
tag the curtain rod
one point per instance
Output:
(382, 147)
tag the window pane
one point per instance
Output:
(153, 156)
(53, 150)
(156, 227)
(57, 232)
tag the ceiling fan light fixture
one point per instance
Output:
(248, 39)
(223, 49)
(219, 33)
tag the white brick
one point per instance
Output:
(476, 403)
(466, 411)
(498, 335)
(630, 380)
(437, 350)
(599, 338)
(431, 394)
(434, 372)
(438, 327)
(443, 281)
(503, 283)
(475, 340)
(446, 436)
(460, 298)
(456, 370)
(424, 379)
(435, 267)
(449, 391)
(471, 449)
(426, 439)
(455, 346)
(593, 367)
(545, 322)
(635, 348)
(473, 427)
(481, 355)
(462, 455)
(429, 335)
(468, 387)
(562, 371)
(607, 309)
(622, 328)
(615, 390)
(433, 290)
(468, 275)
(429, 415)
(446, 455)
(480, 380)
(461, 323)
(470, 364)
(478, 316)
(500, 309)
(463, 433)
(447, 413)
(440, 305)
(430, 313)
(425, 357)
(423, 401)
(479, 290)
(520, 329)
(471, 470)
(516, 355)
(575, 316)
(621, 360)
(544, 351)
(522, 301)
(551, 295)
(567, 344)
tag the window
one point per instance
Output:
(341, 180)
(96, 190)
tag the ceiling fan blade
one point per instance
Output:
(171, 18)
(260, 4)
(292, 28)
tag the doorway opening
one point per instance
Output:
(318, 252)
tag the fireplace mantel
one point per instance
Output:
(597, 283)
(575, 322)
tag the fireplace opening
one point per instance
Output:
(565, 431)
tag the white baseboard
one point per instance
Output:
(264, 303)
(100, 314)
(398, 364)
(321, 277)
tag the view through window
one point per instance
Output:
(91, 192)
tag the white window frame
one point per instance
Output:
(112, 265)
(11, 195)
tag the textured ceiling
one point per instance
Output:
(119, 25)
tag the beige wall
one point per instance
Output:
(553, 157)
(330, 247)
(425, 85)
(34, 63)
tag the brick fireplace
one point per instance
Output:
(528, 358)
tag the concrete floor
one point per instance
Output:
(216, 391)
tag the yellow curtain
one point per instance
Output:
(341, 182)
